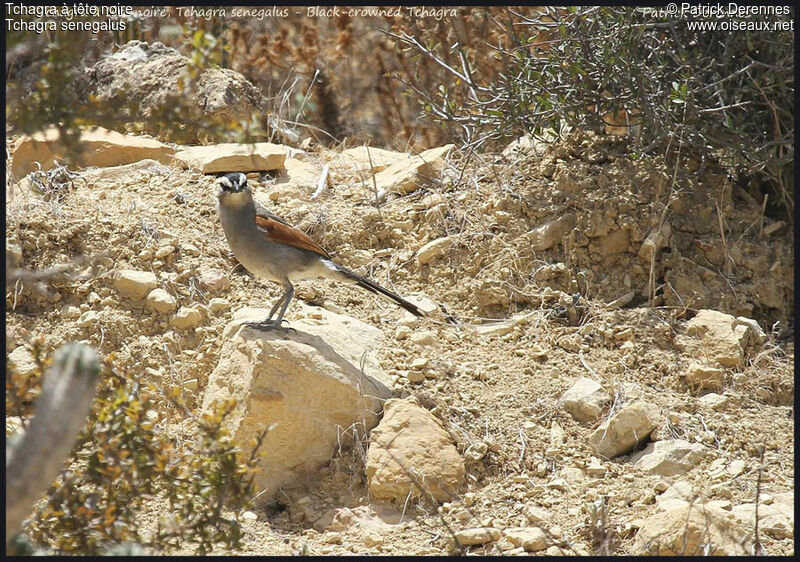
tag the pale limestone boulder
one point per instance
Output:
(434, 249)
(14, 256)
(381, 159)
(233, 157)
(134, 284)
(718, 338)
(218, 305)
(187, 318)
(757, 334)
(298, 180)
(775, 519)
(657, 240)
(692, 530)
(585, 400)
(532, 539)
(715, 401)
(213, 280)
(161, 301)
(23, 362)
(550, 233)
(681, 493)
(315, 387)
(670, 457)
(477, 535)
(631, 425)
(538, 515)
(700, 376)
(145, 80)
(223, 93)
(410, 441)
(412, 173)
(99, 147)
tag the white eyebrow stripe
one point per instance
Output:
(226, 182)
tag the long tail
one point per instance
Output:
(373, 287)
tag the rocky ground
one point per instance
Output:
(555, 411)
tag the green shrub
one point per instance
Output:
(725, 94)
(121, 462)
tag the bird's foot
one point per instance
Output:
(268, 325)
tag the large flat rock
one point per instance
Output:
(233, 157)
(405, 176)
(316, 387)
(96, 147)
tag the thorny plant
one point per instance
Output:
(55, 183)
(603, 533)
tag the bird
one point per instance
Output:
(271, 249)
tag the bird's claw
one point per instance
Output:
(268, 325)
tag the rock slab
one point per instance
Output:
(412, 173)
(371, 158)
(585, 400)
(631, 425)
(134, 284)
(532, 539)
(477, 535)
(410, 449)
(719, 338)
(775, 519)
(98, 147)
(670, 457)
(692, 530)
(233, 157)
(311, 386)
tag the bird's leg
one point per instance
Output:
(269, 323)
(287, 299)
(275, 307)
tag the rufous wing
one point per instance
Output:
(278, 231)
